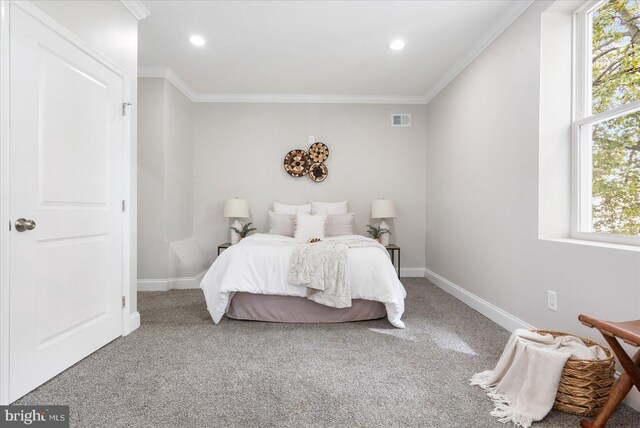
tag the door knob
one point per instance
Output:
(23, 224)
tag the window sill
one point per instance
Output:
(590, 243)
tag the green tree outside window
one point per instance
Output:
(616, 142)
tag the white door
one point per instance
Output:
(66, 180)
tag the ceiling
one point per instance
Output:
(317, 49)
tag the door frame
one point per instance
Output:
(5, 135)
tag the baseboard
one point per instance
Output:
(494, 313)
(412, 272)
(153, 285)
(188, 282)
(170, 283)
(134, 322)
(502, 318)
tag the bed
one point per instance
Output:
(254, 274)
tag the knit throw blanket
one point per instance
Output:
(323, 268)
(524, 383)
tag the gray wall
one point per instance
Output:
(165, 175)
(195, 156)
(239, 151)
(483, 174)
(152, 244)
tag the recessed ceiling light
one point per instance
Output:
(197, 40)
(396, 45)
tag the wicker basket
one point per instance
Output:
(584, 384)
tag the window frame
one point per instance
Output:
(581, 153)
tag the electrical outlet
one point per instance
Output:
(552, 300)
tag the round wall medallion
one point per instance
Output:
(297, 162)
(318, 172)
(319, 152)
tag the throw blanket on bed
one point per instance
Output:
(323, 268)
(524, 383)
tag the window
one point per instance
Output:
(606, 128)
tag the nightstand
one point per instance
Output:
(393, 250)
(223, 247)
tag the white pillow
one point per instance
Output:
(329, 207)
(340, 224)
(281, 224)
(279, 208)
(310, 226)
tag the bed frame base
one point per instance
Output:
(292, 309)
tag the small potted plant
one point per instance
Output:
(376, 231)
(242, 233)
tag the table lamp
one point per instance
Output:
(236, 208)
(383, 208)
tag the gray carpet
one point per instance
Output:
(179, 370)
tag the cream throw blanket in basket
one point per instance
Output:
(524, 383)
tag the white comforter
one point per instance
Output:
(259, 264)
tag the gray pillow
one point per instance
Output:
(282, 224)
(340, 224)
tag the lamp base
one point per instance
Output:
(235, 237)
(384, 238)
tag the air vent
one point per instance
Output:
(400, 120)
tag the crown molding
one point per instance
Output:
(137, 8)
(308, 98)
(483, 43)
(171, 76)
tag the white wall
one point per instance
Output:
(111, 29)
(152, 245)
(239, 151)
(195, 156)
(165, 176)
(179, 164)
(483, 175)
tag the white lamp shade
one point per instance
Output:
(236, 208)
(383, 208)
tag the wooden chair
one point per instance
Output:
(629, 332)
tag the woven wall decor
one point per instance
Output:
(318, 172)
(297, 162)
(318, 152)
